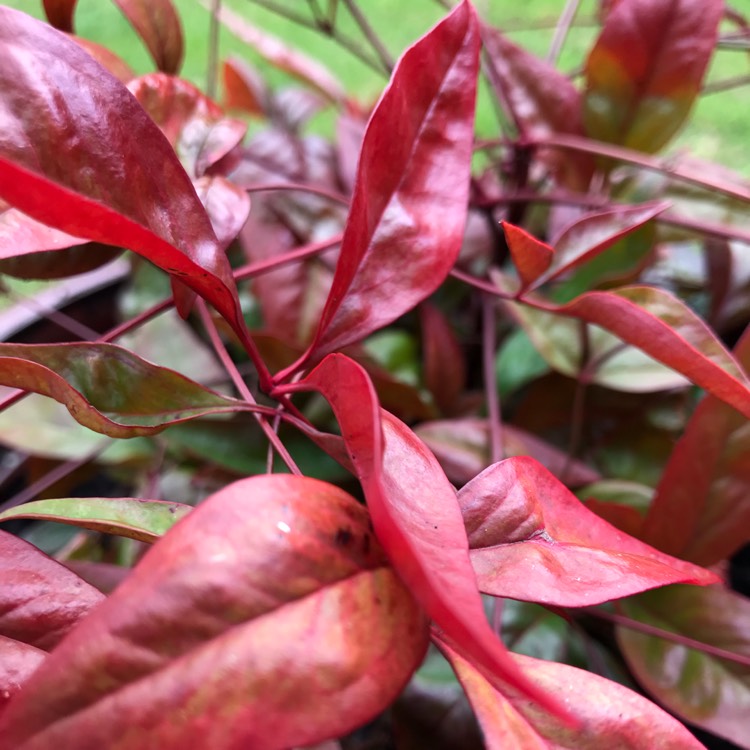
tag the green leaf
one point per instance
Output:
(144, 520)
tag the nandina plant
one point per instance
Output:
(351, 315)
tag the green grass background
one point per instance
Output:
(718, 128)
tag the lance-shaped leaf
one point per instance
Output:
(592, 353)
(415, 515)
(40, 600)
(667, 330)
(408, 212)
(609, 714)
(109, 389)
(158, 25)
(244, 87)
(646, 69)
(269, 607)
(703, 687)
(227, 205)
(117, 180)
(540, 100)
(194, 124)
(60, 13)
(144, 520)
(107, 59)
(532, 539)
(585, 238)
(531, 256)
(17, 662)
(701, 511)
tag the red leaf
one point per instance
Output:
(109, 389)
(532, 539)
(609, 714)
(118, 180)
(531, 256)
(590, 235)
(646, 69)
(415, 515)
(17, 662)
(157, 23)
(667, 330)
(194, 124)
(40, 600)
(701, 511)
(60, 13)
(540, 100)
(700, 686)
(244, 88)
(409, 207)
(443, 359)
(268, 607)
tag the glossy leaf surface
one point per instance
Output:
(194, 124)
(646, 69)
(532, 539)
(118, 181)
(408, 211)
(667, 330)
(40, 600)
(144, 520)
(107, 388)
(609, 714)
(592, 234)
(269, 605)
(157, 23)
(415, 514)
(703, 688)
(701, 511)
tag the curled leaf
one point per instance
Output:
(532, 539)
(109, 389)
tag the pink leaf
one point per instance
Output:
(532, 539)
(409, 207)
(265, 619)
(17, 662)
(609, 714)
(416, 516)
(40, 600)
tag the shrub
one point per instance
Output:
(343, 348)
